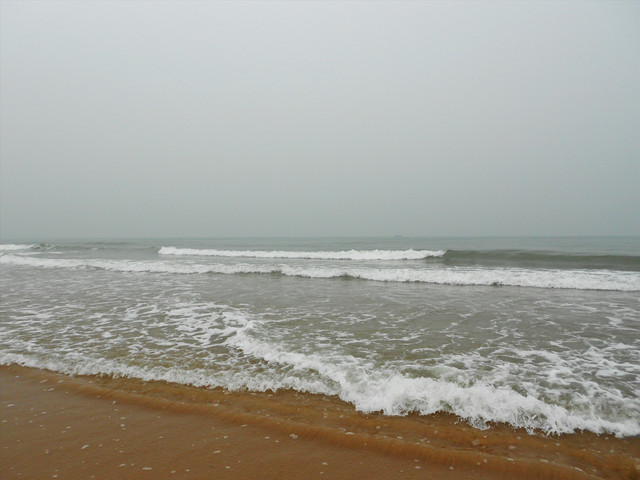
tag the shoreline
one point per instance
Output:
(52, 424)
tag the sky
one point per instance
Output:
(222, 119)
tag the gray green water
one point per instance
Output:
(542, 333)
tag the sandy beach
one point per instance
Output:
(57, 426)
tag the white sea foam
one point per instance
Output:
(9, 247)
(327, 255)
(462, 276)
(131, 266)
(566, 279)
(557, 362)
(373, 389)
(354, 381)
(251, 358)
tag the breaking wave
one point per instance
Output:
(462, 276)
(11, 247)
(330, 255)
(368, 389)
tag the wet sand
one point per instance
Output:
(57, 426)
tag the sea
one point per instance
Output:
(538, 333)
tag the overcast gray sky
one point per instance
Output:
(125, 119)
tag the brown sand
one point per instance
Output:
(56, 426)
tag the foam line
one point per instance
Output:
(462, 276)
(326, 255)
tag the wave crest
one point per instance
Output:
(10, 247)
(512, 277)
(321, 255)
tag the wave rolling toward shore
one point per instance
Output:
(419, 326)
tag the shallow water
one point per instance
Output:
(539, 333)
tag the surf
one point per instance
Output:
(311, 255)
(455, 276)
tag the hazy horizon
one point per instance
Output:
(401, 238)
(350, 119)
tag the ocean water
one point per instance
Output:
(540, 333)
